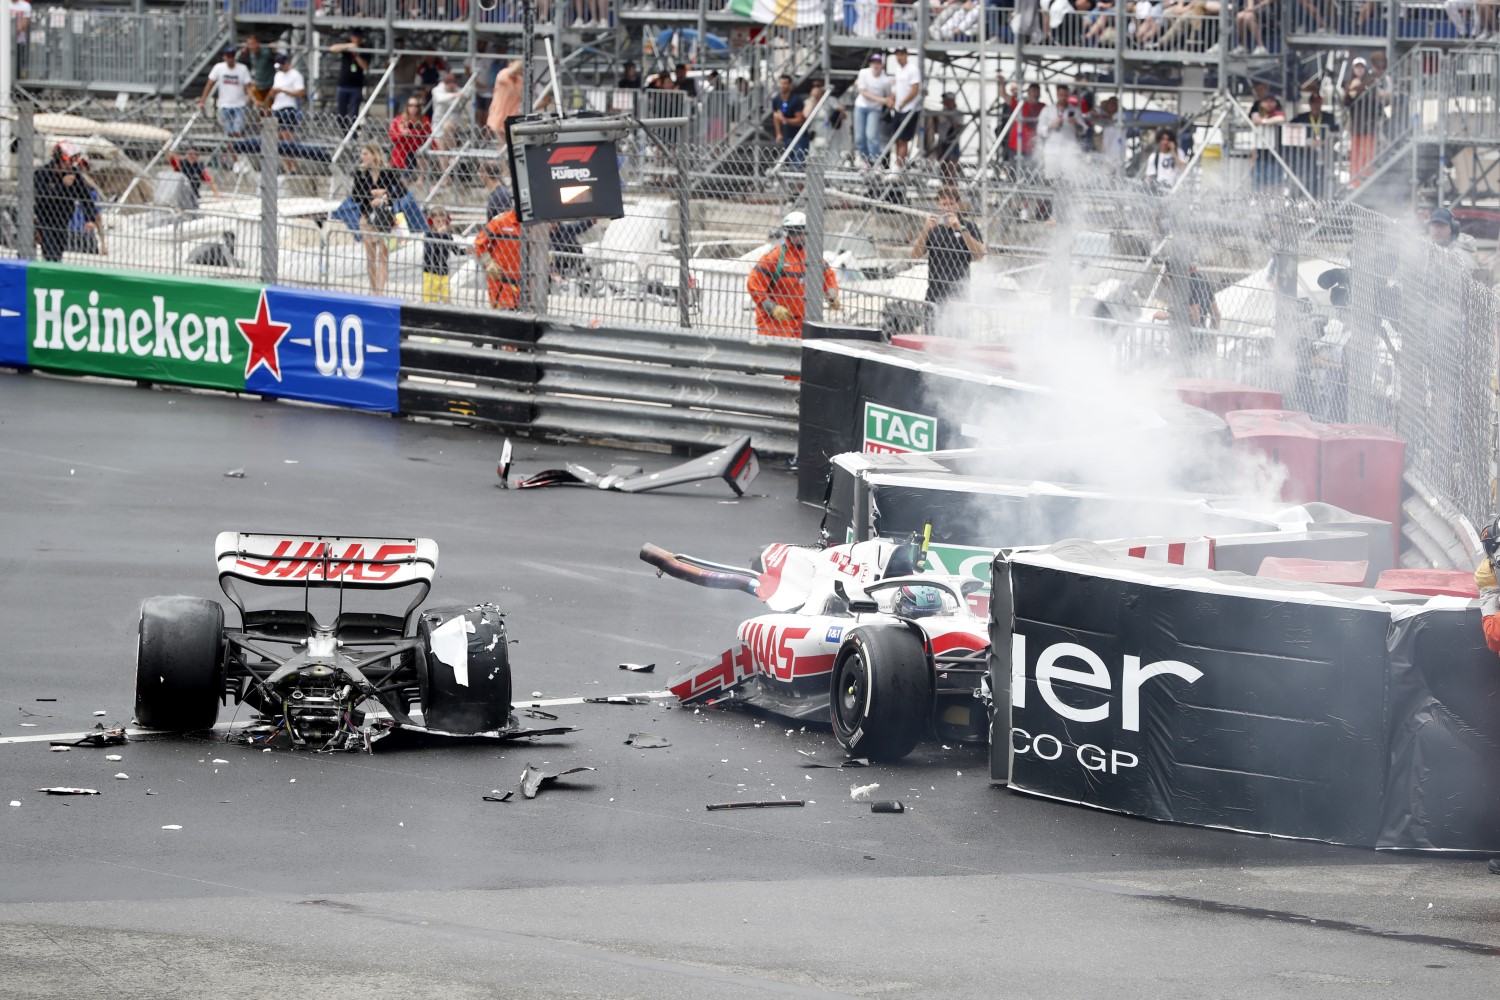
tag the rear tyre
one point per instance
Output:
(464, 669)
(179, 664)
(882, 692)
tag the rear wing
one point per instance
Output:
(324, 560)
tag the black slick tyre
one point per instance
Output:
(881, 696)
(179, 664)
(464, 669)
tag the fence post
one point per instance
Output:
(812, 272)
(269, 216)
(25, 182)
(684, 237)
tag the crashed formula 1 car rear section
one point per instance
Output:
(859, 635)
(309, 674)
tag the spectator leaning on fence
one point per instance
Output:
(788, 115)
(233, 80)
(499, 200)
(1312, 160)
(438, 250)
(1268, 117)
(776, 284)
(377, 196)
(408, 132)
(1166, 163)
(350, 92)
(61, 189)
(195, 173)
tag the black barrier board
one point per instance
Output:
(573, 178)
(1253, 708)
(1443, 790)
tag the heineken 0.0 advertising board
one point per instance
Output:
(291, 343)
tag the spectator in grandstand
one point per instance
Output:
(288, 88)
(684, 82)
(956, 21)
(20, 17)
(353, 65)
(944, 135)
(445, 100)
(1463, 15)
(1059, 23)
(906, 84)
(1111, 132)
(788, 115)
(873, 88)
(1187, 24)
(1202, 311)
(438, 250)
(408, 132)
(1023, 130)
(498, 250)
(1312, 160)
(1318, 14)
(498, 186)
(1149, 15)
(429, 74)
(505, 100)
(1268, 116)
(593, 14)
(1165, 166)
(61, 189)
(195, 172)
(1101, 24)
(1250, 23)
(630, 77)
(776, 283)
(829, 119)
(714, 82)
(1362, 112)
(233, 80)
(951, 245)
(662, 81)
(1444, 232)
(261, 62)
(1060, 119)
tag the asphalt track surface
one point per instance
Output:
(295, 874)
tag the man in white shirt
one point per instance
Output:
(287, 90)
(873, 94)
(1060, 118)
(444, 96)
(233, 79)
(908, 93)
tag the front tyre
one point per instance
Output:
(882, 692)
(179, 664)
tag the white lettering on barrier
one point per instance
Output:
(188, 334)
(1097, 676)
(74, 323)
(1091, 757)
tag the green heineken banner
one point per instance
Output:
(283, 342)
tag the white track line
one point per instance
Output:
(227, 726)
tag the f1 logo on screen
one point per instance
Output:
(281, 342)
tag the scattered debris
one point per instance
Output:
(502, 469)
(735, 464)
(534, 780)
(537, 713)
(216, 760)
(645, 741)
(862, 793)
(497, 796)
(235, 474)
(638, 668)
(619, 699)
(102, 738)
(15, 803)
(762, 804)
(28, 725)
(100, 714)
(46, 699)
(122, 776)
(851, 762)
(536, 694)
(113, 756)
(887, 807)
(60, 749)
(172, 826)
(69, 791)
(391, 734)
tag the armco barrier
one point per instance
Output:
(689, 390)
(1211, 698)
(281, 342)
(684, 388)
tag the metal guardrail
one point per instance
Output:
(686, 389)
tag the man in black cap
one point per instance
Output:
(353, 65)
(1443, 230)
(61, 190)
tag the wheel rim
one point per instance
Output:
(849, 695)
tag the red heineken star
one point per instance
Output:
(264, 337)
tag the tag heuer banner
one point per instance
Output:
(282, 342)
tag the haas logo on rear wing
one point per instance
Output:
(275, 559)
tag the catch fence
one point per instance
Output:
(1353, 316)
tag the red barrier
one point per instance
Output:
(992, 356)
(1361, 471)
(1429, 582)
(1347, 574)
(1287, 437)
(1222, 398)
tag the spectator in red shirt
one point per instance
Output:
(1022, 140)
(409, 130)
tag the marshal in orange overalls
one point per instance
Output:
(498, 250)
(776, 286)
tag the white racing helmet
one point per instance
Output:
(794, 222)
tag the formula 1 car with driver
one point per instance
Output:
(309, 670)
(859, 634)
